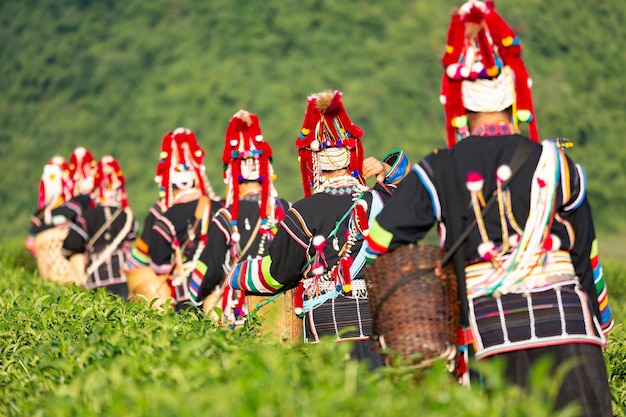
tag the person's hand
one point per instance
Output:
(374, 167)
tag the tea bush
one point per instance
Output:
(70, 352)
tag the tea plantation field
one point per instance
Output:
(69, 352)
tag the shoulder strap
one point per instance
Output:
(102, 228)
(249, 242)
(108, 250)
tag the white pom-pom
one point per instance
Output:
(442, 99)
(233, 142)
(80, 152)
(158, 179)
(318, 271)
(315, 145)
(503, 173)
(529, 81)
(486, 249)
(451, 70)
(514, 240)
(235, 237)
(258, 138)
(465, 72)
(318, 241)
(556, 242)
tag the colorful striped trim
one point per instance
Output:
(431, 189)
(300, 222)
(195, 281)
(400, 167)
(606, 315)
(544, 270)
(378, 240)
(534, 319)
(139, 253)
(254, 276)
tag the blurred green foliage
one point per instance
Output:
(66, 351)
(115, 76)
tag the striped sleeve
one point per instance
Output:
(606, 315)
(139, 254)
(254, 276)
(195, 280)
(377, 243)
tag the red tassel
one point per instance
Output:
(344, 265)
(298, 300)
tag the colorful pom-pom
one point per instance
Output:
(524, 116)
(459, 122)
(474, 181)
(493, 71)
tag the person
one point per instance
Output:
(82, 170)
(531, 279)
(107, 229)
(49, 225)
(317, 248)
(179, 235)
(244, 228)
(141, 277)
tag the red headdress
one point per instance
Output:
(109, 181)
(51, 186)
(180, 164)
(246, 157)
(82, 169)
(327, 125)
(59, 161)
(482, 46)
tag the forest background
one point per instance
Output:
(116, 75)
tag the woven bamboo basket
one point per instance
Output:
(276, 316)
(416, 311)
(51, 263)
